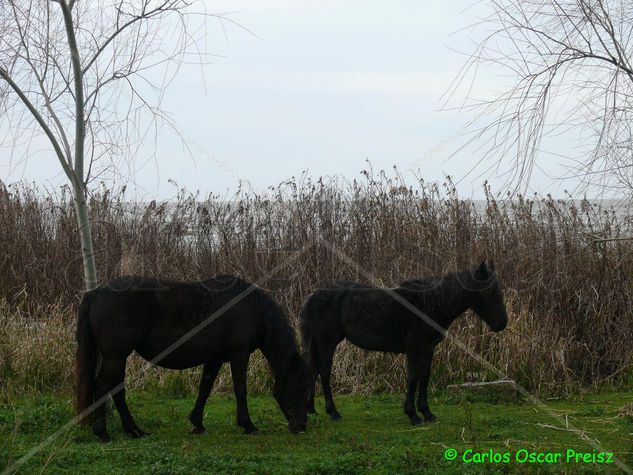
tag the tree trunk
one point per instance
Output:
(85, 237)
(77, 179)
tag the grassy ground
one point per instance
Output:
(374, 436)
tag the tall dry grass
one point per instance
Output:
(569, 299)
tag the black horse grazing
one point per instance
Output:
(411, 319)
(180, 325)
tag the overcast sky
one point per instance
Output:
(323, 87)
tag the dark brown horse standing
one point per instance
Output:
(385, 320)
(180, 325)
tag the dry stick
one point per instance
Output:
(75, 420)
(627, 238)
(433, 324)
(55, 453)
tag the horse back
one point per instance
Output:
(150, 315)
(367, 316)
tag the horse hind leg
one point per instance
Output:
(326, 355)
(209, 373)
(110, 382)
(313, 362)
(99, 425)
(104, 384)
(127, 421)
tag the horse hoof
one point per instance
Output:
(335, 416)
(249, 428)
(198, 430)
(104, 437)
(430, 418)
(416, 421)
(137, 433)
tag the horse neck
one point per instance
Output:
(279, 345)
(454, 298)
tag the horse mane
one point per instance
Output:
(439, 291)
(280, 341)
(232, 279)
(418, 283)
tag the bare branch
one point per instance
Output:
(42, 123)
(80, 125)
(569, 64)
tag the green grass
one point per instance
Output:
(374, 436)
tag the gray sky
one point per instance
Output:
(325, 87)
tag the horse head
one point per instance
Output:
(291, 392)
(487, 297)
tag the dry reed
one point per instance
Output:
(569, 299)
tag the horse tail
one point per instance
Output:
(86, 358)
(311, 351)
(308, 343)
(304, 327)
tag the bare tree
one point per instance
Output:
(563, 67)
(79, 73)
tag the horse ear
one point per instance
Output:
(491, 265)
(481, 273)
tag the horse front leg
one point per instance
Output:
(425, 375)
(209, 373)
(239, 365)
(413, 359)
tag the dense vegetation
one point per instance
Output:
(569, 299)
